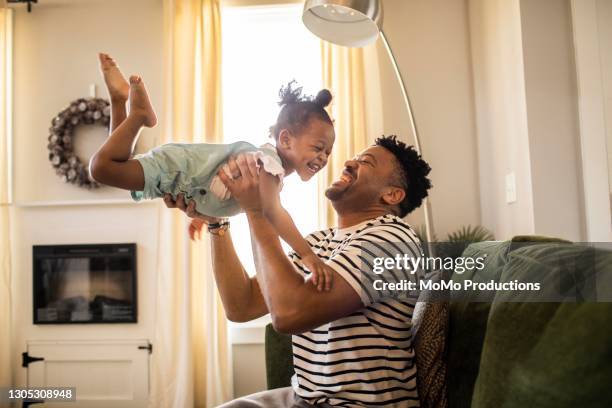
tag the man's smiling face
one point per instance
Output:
(363, 179)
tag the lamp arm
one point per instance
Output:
(429, 227)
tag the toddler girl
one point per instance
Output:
(303, 134)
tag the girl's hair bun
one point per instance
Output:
(290, 93)
(323, 98)
(298, 109)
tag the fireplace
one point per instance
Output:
(84, 283)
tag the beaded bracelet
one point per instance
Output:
(218, 228)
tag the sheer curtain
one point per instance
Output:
(344, 73)
(6, 29)
(191, 364)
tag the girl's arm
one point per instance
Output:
(269, 187)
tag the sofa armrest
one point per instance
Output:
(279, 359)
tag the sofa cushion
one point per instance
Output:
(553, 354)
(468, 323)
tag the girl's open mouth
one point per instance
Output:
(313, 168)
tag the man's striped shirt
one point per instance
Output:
(366, 358)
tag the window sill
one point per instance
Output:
(253, 332)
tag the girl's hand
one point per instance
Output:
(321, 275)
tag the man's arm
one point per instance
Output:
(240, 294)
(294, 304)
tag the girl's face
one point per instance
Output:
(307, 152)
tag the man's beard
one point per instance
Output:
(334, 194)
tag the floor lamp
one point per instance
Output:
(357, 23)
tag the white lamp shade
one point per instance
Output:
(350, 23)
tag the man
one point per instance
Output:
(352, 343)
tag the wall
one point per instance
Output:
(503, 143)
(590, 56)
(552, 116)
(527, 120)
(604, 17)
(430, 39)
(249, 365)
(55, 61)
(493, 89)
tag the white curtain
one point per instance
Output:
(6, 29)
(191, 362)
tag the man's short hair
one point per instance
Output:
(411, 175)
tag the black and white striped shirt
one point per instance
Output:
(366, 358)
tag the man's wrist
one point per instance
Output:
(219, 227)
(254, 213)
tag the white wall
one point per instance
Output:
(604, 17)
(503, 143)
(249, 365)
(55, 60)
(552, 115)
(430, 39)
(493, 88)
(527, 116)
(591, 55)
(604, 8)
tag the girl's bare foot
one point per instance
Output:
(118, 87)
(139, 102)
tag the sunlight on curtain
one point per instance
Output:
(344, 75)
(251, 107)
(191, 365)
(6, 29)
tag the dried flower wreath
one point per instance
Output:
(92, 111)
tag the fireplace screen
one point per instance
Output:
(85, 283)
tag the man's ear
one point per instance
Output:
(393, 195)
(284, 139)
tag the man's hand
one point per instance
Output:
(198, 221)
(244, 186)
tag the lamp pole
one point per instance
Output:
(357, 23)
(429, 227)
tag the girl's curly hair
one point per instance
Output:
(297, 109)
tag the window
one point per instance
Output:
(263, 48)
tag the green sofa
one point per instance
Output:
(520, 354)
